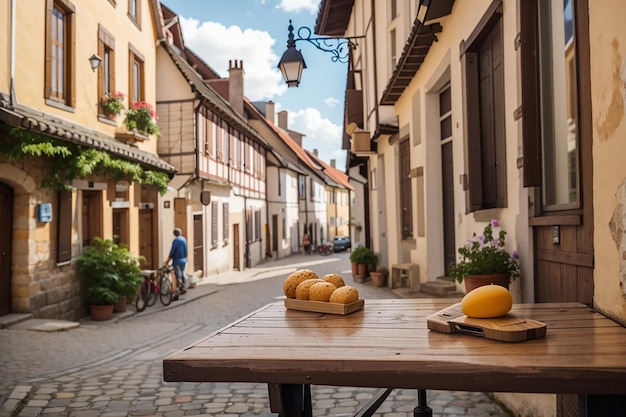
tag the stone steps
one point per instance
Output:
(441, 287)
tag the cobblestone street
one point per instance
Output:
(114, 369)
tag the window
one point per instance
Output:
(302, 187)
(106, 70)
(550, 96)
(136, 77)
(406, 199)
(484, 113)
(312, 190)
(60, 38)
(134, 11)
(257, 224)
(393, 9)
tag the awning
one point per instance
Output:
(36, 121)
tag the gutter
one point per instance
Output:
(12, 96)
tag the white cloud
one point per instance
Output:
(331, 101)
(217, 44)
(295, 6)
(321, 134)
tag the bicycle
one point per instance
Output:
(157, 284)
(325, 249)
(147, 292)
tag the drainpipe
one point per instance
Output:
(12, 97)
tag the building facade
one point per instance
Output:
(70, 170)
(495, 109)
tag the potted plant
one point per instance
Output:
(141, 117)
(379, 277)
(484, 260)
(112, 104)
(108, 271)
(364, 258)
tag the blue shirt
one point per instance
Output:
(178, 253)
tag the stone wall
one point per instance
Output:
(38, 285)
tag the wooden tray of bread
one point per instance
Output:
(507, 328)
(324, 306)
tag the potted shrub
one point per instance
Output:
(141, 118)
(108, 271)
(379, 277)
(112, 104)
(484, 260)
(364, 258)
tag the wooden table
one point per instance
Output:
(388, 344)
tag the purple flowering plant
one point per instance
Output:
(485, 254)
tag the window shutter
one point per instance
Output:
(225, 221)
(48, 75)
(64, 243)
(531, 105)
(214, 224)
(474, 160)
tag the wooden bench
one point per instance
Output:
(405, 270)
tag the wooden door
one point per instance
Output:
(447, 177)
(236, 248)
(6, 237)
(146, 238)
(198, 243)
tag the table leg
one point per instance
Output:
(602, 405)
(422, 409)
(295, 400)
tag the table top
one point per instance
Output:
(388, 344)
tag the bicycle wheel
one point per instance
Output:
(141, 297)
(152, 294)
(165, 290)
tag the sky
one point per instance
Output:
(255, 32)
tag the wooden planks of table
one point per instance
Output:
(388, 344)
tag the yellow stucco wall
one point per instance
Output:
(608, 92)
(30, 52)
(5, 44)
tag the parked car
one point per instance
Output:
(341, 243)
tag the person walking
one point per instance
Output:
(178, 258)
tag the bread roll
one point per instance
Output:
(344, 295)
(321, 291)
(294, 279)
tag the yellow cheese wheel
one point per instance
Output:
(486, 302)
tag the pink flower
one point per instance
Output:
(495, 223)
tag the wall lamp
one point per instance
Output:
(292, 62)
(95, 61)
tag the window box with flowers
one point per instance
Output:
(484, 260)
(112, 104)
(141, 118)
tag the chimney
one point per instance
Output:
(282, 119)
(333, 163)
(316, 153)
(235, 85)
(269, 111)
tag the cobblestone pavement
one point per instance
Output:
(114, 368)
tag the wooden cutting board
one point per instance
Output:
(507, 328)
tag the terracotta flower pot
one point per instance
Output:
(120, 306)
(475, 281)
(101, 313)
(378, 279)
(354, 269)
(361, 270)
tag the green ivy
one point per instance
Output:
(71, 161)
